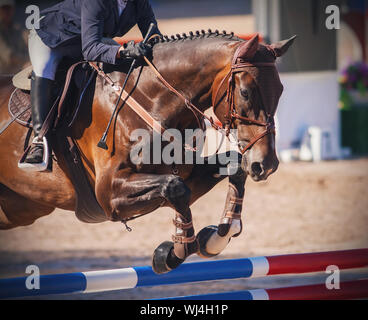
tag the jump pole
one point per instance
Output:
(357, 289)
(128, 278)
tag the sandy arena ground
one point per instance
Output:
(303, 207)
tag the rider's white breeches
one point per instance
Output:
(44, 59)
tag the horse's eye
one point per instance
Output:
(245, 93)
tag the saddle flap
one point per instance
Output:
(74, 84)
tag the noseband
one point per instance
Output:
(230, 111)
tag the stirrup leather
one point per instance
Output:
(36, 166)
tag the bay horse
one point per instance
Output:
(238, 78)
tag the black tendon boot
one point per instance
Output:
(41, 102)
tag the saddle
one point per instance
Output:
(75, 83)
(71, 76)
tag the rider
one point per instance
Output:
(77, 29)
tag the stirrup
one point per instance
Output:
(36, 166)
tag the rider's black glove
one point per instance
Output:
(135, 50)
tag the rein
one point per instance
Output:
(188, 104)
(230, 113)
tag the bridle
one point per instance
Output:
(237, 66)
(231, 114)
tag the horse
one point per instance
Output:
(210, 69)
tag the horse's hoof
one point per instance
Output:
(202, 237)
(164, 259)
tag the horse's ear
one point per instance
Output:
(249, 48)
(283, 46)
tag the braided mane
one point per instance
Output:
(194, 35)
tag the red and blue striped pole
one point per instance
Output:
(127, 278)
(357, 289)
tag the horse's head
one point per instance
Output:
(253, 92)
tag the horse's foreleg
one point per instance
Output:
(212, 240)
(132, 194)
(170, 255)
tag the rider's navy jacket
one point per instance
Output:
(86, 22)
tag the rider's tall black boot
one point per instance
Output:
(41, 102)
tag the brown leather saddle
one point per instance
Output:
(71, 77)
(75, 90)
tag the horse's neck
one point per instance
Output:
(196, 69)
(190, 68)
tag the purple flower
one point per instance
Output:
(354, 76)
(364, 67)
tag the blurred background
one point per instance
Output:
(322, 114)
(310, 204)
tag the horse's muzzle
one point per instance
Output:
(259, 171)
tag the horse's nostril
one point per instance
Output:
(257, 168)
